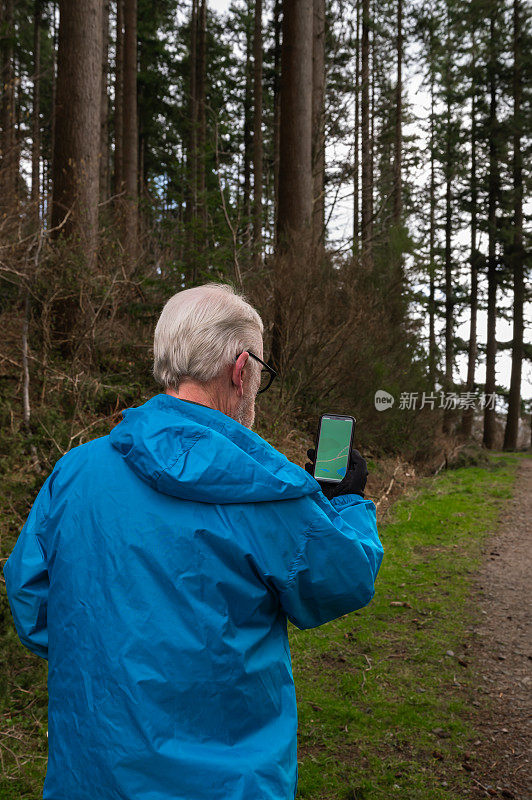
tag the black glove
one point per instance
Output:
(353, 482)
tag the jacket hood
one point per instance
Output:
(197, 453)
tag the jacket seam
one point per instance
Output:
(43, 523)
(157, 475)
(345, 499)
(292, 571)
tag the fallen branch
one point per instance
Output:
(26, 409)
(448, 457)
(442, 465)
(485, 789)
(10, 361)
(389, 489)
(368, 660)
(96, 421)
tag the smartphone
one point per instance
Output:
(333, 445)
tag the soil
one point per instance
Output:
(501, 646)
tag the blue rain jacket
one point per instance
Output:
(156, 571)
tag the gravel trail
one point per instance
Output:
(502, 645)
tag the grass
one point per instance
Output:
(381, 701)
(382, 693)
(23, 693)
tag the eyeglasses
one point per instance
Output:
(267, 373)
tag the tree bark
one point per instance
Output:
(119, 99)
(201, 78)
(372, 118)
(449, 300)
(467, 416)
(398, 139)
(50, 169)
(77, 125)
(130, 134)
(295, 159)
(192, 144)
(493, 191)
(514, 400)
(248, 134)
(104, 109)
(276, 105)
(9, 164)
(356, 158)
(257, 135)
(36, 112)
(367, 183)
(295, 173)
(318, 124)
(395, 300)
(433, 353)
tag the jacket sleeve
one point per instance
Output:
(337, 561)
(26, 576)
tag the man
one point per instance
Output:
(157, 569)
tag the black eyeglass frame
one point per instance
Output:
(273, 373)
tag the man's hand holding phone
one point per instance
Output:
(354, 481)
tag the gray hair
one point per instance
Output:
(200, 331)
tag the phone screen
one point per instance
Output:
(333, 448)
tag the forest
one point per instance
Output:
(360, 170)
(278, 146)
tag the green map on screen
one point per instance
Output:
(333, 449)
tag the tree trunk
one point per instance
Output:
(77, 125)
(433, 353)
(493, 191)
(318, 124)
(202, 119)
(395, 298)
(449, 301)
(295, 159)
(398, 139)
(50, 170)
(130, 134)
(104, 109)
(248, 135)
(514, 400)
(9, 164)
(356, 158)
(276, 105)
(467, 416)
(119, 99)
(36, 112)
(372, 138)
(257, 135)
(295, 173)
(192, 145)
(367, 183)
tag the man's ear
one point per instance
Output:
(236, 373)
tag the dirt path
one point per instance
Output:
(502, 644)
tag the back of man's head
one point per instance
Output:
(201, 331)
